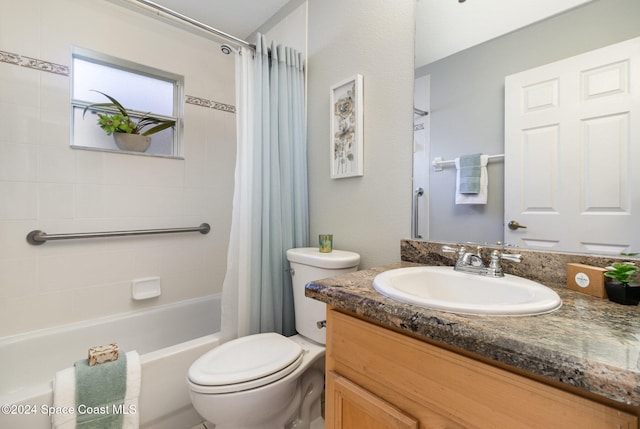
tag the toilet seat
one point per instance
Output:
(245, 363)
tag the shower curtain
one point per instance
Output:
(270, 204)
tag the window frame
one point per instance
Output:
(135, 68)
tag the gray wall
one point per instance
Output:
(467, 104)
(372, 213)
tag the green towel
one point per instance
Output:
(470, 174)
(100, 390)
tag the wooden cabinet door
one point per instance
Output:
(349, 406)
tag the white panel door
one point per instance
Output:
(572, 153)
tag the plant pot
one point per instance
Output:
(623, 293)
(132, 142)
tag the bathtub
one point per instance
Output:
(168, 338)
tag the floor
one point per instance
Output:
(316, 424)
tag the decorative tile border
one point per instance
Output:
(209, 104)
(34, 63)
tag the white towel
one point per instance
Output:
(64, 398)
(64, 395)
(134, 379)
(480, 197)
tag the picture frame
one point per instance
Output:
(346, 119)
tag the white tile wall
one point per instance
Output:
(18, 162)
(44, 184)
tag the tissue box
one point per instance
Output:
(102, 354)
(586, 279)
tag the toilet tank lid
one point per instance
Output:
(312, 256)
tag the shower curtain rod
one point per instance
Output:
(173, 14)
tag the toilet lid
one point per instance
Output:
(246, 362)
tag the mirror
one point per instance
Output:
(464, 95)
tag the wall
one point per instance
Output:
(291, 30)
(368, 214)
(46, 185)
(467, 104)
(438, 23)
(287, 27)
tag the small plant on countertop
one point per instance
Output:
(624, 272)
(621, 288)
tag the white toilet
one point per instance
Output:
(269, 381)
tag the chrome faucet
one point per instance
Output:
(472, 263)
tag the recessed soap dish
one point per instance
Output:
(148, 287)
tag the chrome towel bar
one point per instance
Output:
(37, 237)
(438, 163)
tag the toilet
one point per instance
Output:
(269, 381)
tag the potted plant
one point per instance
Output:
(128, 134)
(621, 289)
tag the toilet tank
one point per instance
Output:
(308, 264)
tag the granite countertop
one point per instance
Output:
(588, 343)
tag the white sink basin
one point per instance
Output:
(442, 288)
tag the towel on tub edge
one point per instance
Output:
(109, 395)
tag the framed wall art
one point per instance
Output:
(346, 128)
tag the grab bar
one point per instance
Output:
(37, 237)
(418, 193)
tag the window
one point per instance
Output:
(140, 89)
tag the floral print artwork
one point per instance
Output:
(344, 131)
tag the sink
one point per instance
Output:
(442, 288)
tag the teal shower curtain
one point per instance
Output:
(280, 177)
(271, 211)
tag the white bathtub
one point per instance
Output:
(168, 339)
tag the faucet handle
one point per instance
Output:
(495, 270)
(513, 257)
(461, 251)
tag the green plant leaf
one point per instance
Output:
(622, 271)
(160, 127)
(115, 103)
(95, 106)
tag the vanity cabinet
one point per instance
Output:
(379, 378)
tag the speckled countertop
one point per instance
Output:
(589, 343)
